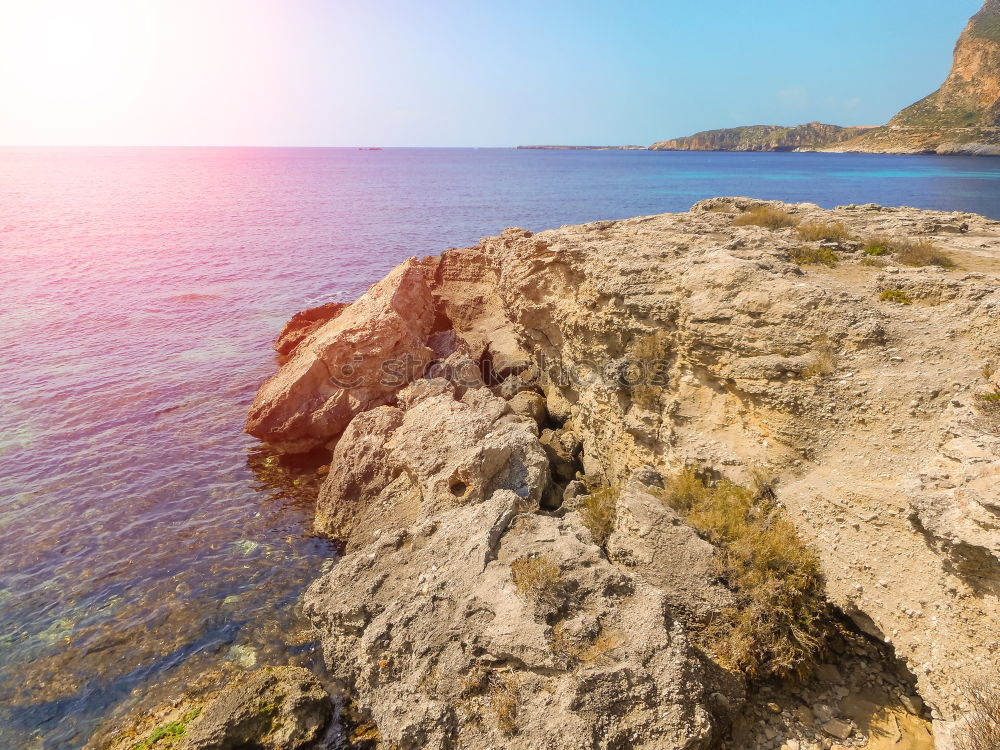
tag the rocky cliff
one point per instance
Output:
(726, 478)
(963, 116)
(762, 138)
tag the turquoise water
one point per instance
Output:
(143, 537)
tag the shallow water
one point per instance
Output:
(142, 535)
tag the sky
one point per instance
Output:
(457, 72)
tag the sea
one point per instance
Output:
(144, 539)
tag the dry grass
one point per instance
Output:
(988, 405)
(651, 366)
(981, 726)
(988, 371)
(896, 295)
(815, 256)
(501, 691)
(765, 216)
(779, 624)
(538, 579)
(598, 512)
(816, 231)
(594, 652)
(503, 696)
(921, 253)
(824, 358)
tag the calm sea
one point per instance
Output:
(143, 537)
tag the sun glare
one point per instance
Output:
(75, 63)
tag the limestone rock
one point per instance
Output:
(444, 648)
(303, 323)
(652, 541)
(275, 708)
(354, 362)
(395, 466)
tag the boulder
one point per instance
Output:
(352, 363)
(531, 405)
(653, 542)
(275, 708)
(395, 466)
(483, 627)
(563, 448)
(305, 322)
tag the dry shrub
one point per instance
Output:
(817, 256)
(779, 624)
(896, 295)
(921, 253)
(598, 512)
(816, 231)
(585, 653)
(503, 696)
(824, 358)
(537, 579)
(765, 216)
(980, 728)
(649, 357)
(988, 405)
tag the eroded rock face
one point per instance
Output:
(668, 341)
(444, 648)
(396, 466)
(651, 541)
(803, 373)
(298, 328)
(276, 708)
(354, 362)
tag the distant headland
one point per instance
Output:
(961, 117)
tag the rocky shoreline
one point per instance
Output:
(565, 466)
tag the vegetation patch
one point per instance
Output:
(877, 246)
(780, 622)
(815, 256)
(816, 231)
(922, 253)
(980, 729)
(503, 697)
(587, 652)
(896, 295)
(169, 731)
(598, 512)
(824, 358)
(538, 579)
(649, 373)
(766, 216)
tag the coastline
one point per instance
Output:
(575, 294)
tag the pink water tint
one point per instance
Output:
(141, 534)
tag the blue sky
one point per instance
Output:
(451, 73)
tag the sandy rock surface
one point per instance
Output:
(659, 343)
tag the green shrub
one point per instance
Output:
(878, 246)
(822, 256)
(780, 622)
(765, 216)
(815, 231)
(896, 295)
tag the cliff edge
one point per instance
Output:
(725, 478)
